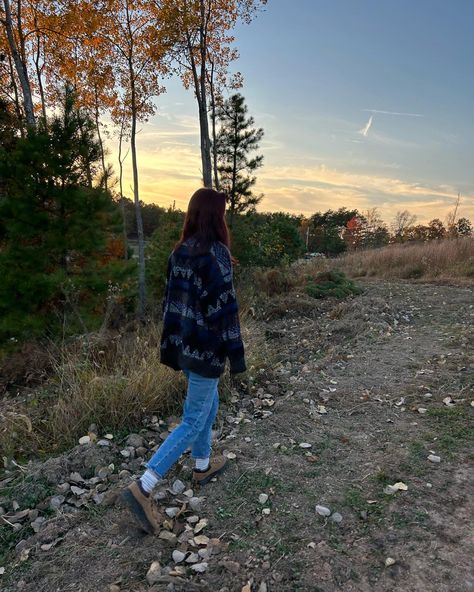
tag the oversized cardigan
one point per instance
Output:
(201, 327)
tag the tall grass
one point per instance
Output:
(112, 381)
(434, 260)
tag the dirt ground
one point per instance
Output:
(371, 387)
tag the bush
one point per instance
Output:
(331, 284)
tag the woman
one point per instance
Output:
(200, 330)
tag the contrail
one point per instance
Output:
(393, 113)
(365, 130)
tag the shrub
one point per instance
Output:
(331, 284)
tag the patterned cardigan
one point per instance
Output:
(200, 313)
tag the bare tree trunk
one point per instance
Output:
(99, 137)
(136, 197)
(214, 135)
(203, 120)
(40, 80)
(122, 200)
(20, 67)
(18, 111)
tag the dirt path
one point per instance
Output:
(351, 383)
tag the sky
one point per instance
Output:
(364, 104)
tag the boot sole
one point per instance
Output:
(138, 512)
(209, 477)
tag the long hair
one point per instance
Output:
(205, 220)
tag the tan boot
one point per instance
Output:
(216, 466)
(143, 508)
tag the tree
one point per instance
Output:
(200, 30)
(326, 230)
(55, 225)
(402, 222)
(463, 227)
(436, 229)
(16, 43)
(132, 31)
(236, 140)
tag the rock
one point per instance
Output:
(135, 440)
(305, 445)
(76, 478)
(263, 587)
(171, 512)
(98, 498)
(103, 472)
(141, 451)
(195, 503)
(37, 524)
(177, 487)
(114, 588)
(192, 558)
(389, 561)
(262, 498)
(153, 573)
(84, 440)
(192, 519)
(200, 567)
(168, 536)
(178, 556)
(200, 526)
(201, 539)
(56, 501)
(104, 443)
(78, 490)
(125, 453)
(336, 517)
(434, 459)
(109, 436)
(323, 511)
(422, 410)
(188, 493)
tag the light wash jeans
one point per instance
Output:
(195, 430)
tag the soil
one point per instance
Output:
(374, 384)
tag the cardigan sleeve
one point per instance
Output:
(220, 308)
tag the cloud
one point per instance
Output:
(365, 130)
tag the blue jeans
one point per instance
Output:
(195, 429)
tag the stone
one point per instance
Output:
(168, 536)
(177, 487)
(323, 511)
(153, 574)
(171, 512)
(434, 459)
(200, 567)
(178, 556)
(263, 498)
(135, 440)
(56, 501)
(336, 517)
(195, 503)
(85, 440)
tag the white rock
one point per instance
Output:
(266, 511)
(103, 443)
(78, 490)
(305, 445)
(336, 517)
(200, 567)
(192, 558)
(178, 556)
(178, 487)
(125, 453)
(85, 440)
(422, 410)
(323, 511)
(171, 512)
(262, 498)
(434, 459)
(389, 561)
(153, 573)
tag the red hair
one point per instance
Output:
(205, 219)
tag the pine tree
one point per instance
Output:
(236, 139)
(55, 223)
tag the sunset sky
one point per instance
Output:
(363, 104)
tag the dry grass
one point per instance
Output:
(110, 381)
(435, 260)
